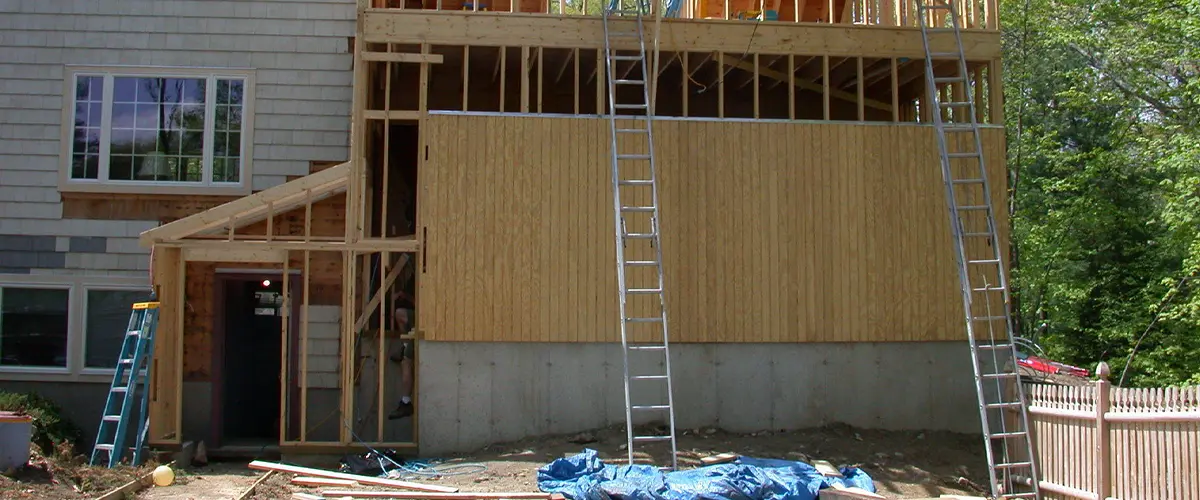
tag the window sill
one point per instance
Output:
(52, 375)
(109, 188)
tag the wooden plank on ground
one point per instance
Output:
(324, 481)
(719, 458)
(374, 481)
(434, 496)
(250, 491)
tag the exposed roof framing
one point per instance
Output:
(256, 207)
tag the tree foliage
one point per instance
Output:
(1103, 116)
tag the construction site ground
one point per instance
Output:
(903, 464)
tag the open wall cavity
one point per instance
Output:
(544, 80)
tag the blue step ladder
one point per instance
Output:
(136, 351)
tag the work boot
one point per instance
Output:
(404, 410)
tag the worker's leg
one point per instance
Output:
(406, 382)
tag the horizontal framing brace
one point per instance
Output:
(361, 246)
(500, 29)
(234, 254)
(400, 57)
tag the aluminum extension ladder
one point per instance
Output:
(1012, 467)
(637, 222)
(137, 349)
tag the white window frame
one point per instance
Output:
(102, 184)
(75, 371)
(70, 312)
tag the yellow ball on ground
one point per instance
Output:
(163, 476)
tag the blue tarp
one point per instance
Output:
(586, 477)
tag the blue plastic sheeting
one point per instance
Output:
(586, 477)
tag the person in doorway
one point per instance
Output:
(403, 321)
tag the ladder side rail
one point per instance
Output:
(656, 225)
(617, 222)
(1002, 274)
(959, 251)
(143, 417)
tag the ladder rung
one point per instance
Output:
(118, 389)
(650, 407)
(1006, 435)
(640, 236)
(133, 333)
(944, 54)
(632, 131)
(633, 157)
(1031, 494)
(949, 79)
(641, 262)
(976, 235)
(968, 181)
(993, 346)
(644, 320)
(630, 82)
(616, 57)
(988, 318)
(1013, 465)
(955, 104)
(1013, 404)
(648, 377)
(652, 438)
(637, 182)
(998, 375)
(111, 418)
(623, 34)
(105, 447)
(964, 154)
(644, 290)
(127, 361)
(647, 347)
(988, 289)
(972, 207)
(637, 209)
(985, 261)
(630, 106)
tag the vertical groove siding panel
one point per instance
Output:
(772, 232)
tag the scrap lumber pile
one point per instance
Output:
(345, 486)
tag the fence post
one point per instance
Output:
(1103, 450)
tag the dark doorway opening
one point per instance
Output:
(251, 364)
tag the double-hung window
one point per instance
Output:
(133, 128)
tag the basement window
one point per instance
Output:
(34, 324)
(157, 128)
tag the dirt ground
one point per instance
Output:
(64, 478)
(903, 464)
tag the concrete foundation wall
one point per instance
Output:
(474, 394)
(81, 403)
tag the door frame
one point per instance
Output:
(222, 278)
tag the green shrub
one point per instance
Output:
(51, 431)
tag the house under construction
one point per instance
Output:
(451, 280)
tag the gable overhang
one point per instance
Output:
(254, 208)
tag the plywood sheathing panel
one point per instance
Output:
(772, 232)
(495, 29)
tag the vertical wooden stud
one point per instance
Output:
(683, 78)
(524, 78)
(466, 75)
(756, 109)
(825, 85)
(284, 344)
(721, 84)
(578, 85)
(862, 110)
(995, 93)
(503, 73)
(540, 81)
(600, 69)
(895, 91)
(791, 83)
